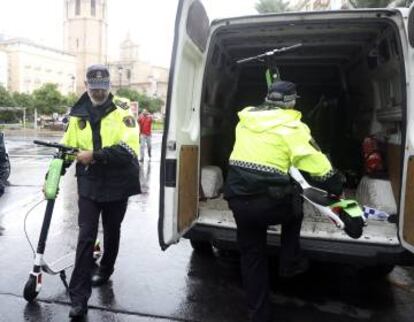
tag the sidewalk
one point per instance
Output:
(27, 132)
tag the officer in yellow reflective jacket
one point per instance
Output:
(269, 140)
(107, 172)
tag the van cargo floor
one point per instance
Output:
(215, 212)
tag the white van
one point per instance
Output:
(361, 61)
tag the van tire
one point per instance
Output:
(201, 246)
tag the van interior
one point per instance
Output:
(350, 76)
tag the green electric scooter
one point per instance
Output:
(56, 168)
(345, 214)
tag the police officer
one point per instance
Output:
(269, 140)
(107, 172)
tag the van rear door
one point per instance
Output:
(179, 174)
(406, 221)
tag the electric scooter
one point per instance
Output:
(51, 188)
(346, 214)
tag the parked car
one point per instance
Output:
(362, 59)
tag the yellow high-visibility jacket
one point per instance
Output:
(268, 142)
(111, 132)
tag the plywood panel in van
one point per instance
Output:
(394, 168)
(408, 232)
(188, 186)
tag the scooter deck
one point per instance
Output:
(59, 265)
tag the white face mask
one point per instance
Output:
(98, 96)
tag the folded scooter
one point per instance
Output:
(346, 214)
(51, 187)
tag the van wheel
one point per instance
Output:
(201, 246)
(379, 271)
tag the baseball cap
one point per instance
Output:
(97, 77)
(282, 91)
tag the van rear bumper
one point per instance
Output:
(353, 252)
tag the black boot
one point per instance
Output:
(77, 312)
(295, 267)
(99, 278)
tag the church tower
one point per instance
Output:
(85, 34)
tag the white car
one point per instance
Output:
(363, 60)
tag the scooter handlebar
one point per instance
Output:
(61, 147)
(268, 53)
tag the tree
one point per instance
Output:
(70, 99)
(370, 3)
(23, 100)
(132, 94)
(151, 104)
(48, 100)
(6, 100)
(271, 6)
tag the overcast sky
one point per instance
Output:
(150, 22)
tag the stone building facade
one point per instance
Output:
(85, 34)
(31, 65)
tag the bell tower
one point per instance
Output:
(85, 34)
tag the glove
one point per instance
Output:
(334, 185)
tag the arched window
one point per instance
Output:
(77, 7)
(93, 7)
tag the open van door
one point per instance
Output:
(406, 220)
(179, 173)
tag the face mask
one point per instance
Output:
(98, 96)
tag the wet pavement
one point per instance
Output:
(175, 285)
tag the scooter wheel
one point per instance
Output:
(29, 292)
(353, 225)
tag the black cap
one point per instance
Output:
(282, 91)
(97, 77)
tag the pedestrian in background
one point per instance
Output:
(107, 172)
(269, 140)
(145, 130)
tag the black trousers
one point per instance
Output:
(253, 215)
(89, 211)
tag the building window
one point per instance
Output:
(93, 7)
(77, 7)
